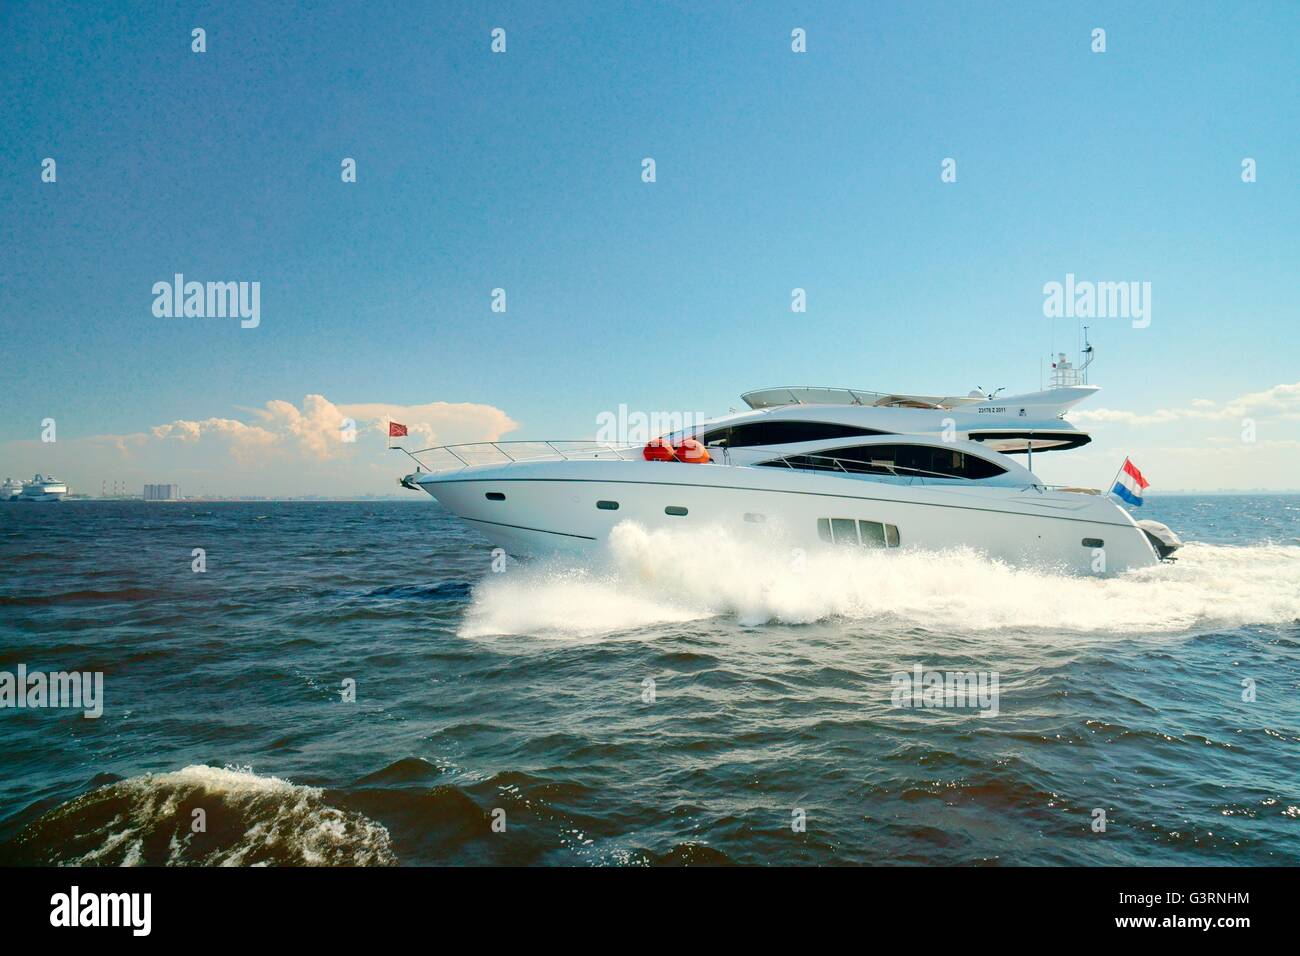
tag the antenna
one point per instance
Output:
(1086, 354)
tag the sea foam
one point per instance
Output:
(648, 578)
(247, 820)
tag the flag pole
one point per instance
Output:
(1111, 489)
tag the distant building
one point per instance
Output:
(162, 492)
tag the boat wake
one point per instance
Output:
(247, 820)
(650, 578)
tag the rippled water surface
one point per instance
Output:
(676, 701)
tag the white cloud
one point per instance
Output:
(285, 449)
(1281, 401)
(1115, 415)
(1200, 445)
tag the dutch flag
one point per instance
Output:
(1129, 484)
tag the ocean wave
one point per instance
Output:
(249, 820)
(651, 578)
(680, 854)
(408, 770)
(445, 591)
(128, 595)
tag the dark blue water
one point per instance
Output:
(523, 696)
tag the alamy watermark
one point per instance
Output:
(923, 688)
(624, 427)
(78, 690)
(1075, 299)
(75, 908)
(209, 300)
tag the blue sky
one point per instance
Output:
(775, 170)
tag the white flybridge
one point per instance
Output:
(813, 467)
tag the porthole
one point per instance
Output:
(675, 510)
(495, 496)
(1093, 543)
(607, 505)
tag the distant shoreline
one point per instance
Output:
(361, 499)
(235, 500)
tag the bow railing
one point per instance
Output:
(469, 454)
(441, 458)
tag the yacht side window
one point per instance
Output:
(925, 461)
(873, 533)
(781, 432)
(844, 530)
(868, 534)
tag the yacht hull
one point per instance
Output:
(555, 506)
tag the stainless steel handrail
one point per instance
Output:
(1074, 489)
(464, 455)
(593, 449)
(839, 463)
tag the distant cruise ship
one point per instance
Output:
(42, 488)
(11, 489)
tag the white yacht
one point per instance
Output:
(11, 489)
(814, 467)
(43, 488)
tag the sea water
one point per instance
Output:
(358, 683)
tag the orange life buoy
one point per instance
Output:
(693, 452)
(659, 449)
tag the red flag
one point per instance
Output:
(396, 430)
(1132, 470)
